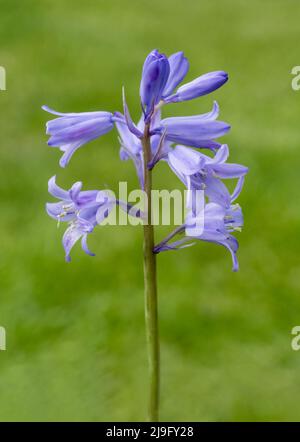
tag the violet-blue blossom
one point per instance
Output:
(194, 131)
(220, 216)
(72, 130)
(219, 223)
(83, 210)
(171, 139)
(201, 172)
(155, 75)
(203, 85)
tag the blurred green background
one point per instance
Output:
(75, 332)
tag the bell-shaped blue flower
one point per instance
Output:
(199, 131)
(72, 130)
(201, 172)
(218, 224)
(203, 85)
(81, 209)
(154, 78)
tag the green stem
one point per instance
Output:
(151, 315)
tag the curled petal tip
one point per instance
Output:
(47, 108)
(50, 110)
(63, 163)
(85, 246)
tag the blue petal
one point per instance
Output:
(193, 142)
(229, 242)
(85, 130)
(221, 155)
(71, 236)
(68, 150)
(85, 246)
(227, 170)
(202, 85)
(55, 210)
(214, 217)
(206, 129)
(75, 189)
(217, 192)
(179, 67)
(86, 198)
(194, 131)
(79, 115)
(186, 161)
(154, 78)
(57, 191)
(129, 141)
(238, 188)
(87, 216)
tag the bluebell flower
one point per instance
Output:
(219, 223)
(201, 172)
(219, 217)
(83, 210)
(154, 78)
(72, 130)
(203, 85)
(199, 131)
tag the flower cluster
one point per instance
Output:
(177, 141)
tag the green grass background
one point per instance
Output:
(75, 332)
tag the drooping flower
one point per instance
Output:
(201, 172)
(83, 210)
(72, 130)
(216, 220)
(200, 131)
(218, 224)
